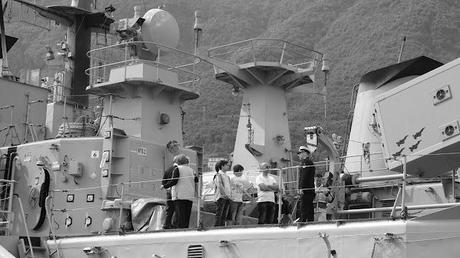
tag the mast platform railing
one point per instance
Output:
(267, 50)
(126, 54)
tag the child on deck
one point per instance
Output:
(239, 185)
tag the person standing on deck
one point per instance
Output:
(322, 199)
(239, 185)
(306, 184)
(222, 192)
(183, 192)
(266, 188)
(172, 150)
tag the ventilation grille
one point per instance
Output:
(195, 251)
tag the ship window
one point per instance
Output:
(195, 251)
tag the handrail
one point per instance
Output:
(118, 58)
(178, 68)
(275, 47)
(283, 182)
(48, 215)
(410, 207)
(263, 39)
(26, 227)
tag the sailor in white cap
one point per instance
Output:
(304, 148)
(306, 184)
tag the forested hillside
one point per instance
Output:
(356, 35)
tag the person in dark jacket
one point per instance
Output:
(172, 150)
(306, 184)
(167, 183)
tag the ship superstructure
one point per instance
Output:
(79, 184)
(91, 169)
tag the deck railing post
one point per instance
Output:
(282, 53)
(403, 191)
(198, 201)
(253, 52)
(158, 64)
(121, 206)
(280, 194)
(392, 214)
(453, 185)
(126, 59)
(26, 227)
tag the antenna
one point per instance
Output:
(325, 69)
(30, 128)
(198, 29)
(403, 43)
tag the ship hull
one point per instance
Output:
(433, 236)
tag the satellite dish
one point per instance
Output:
(160, 27)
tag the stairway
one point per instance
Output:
(6, 190)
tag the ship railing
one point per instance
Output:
(287, 179)
(265, 50)
(289, 188)
(84, 121)
(362, 167)
(125, 54)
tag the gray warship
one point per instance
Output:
(82, 162)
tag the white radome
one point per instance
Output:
(160, 27)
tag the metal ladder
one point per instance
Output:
(6, 194)
(6, 200)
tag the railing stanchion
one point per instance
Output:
(198, 202)
(282, 52)
(126, 60)
(280, 194)
(392, 214)
(403, 190)
(121, 206)
(253, 52)
(26, 227)
(158, 63)
(453, 186)
(53, 234)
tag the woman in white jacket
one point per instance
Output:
(183, 193)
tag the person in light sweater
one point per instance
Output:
(183, 192)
